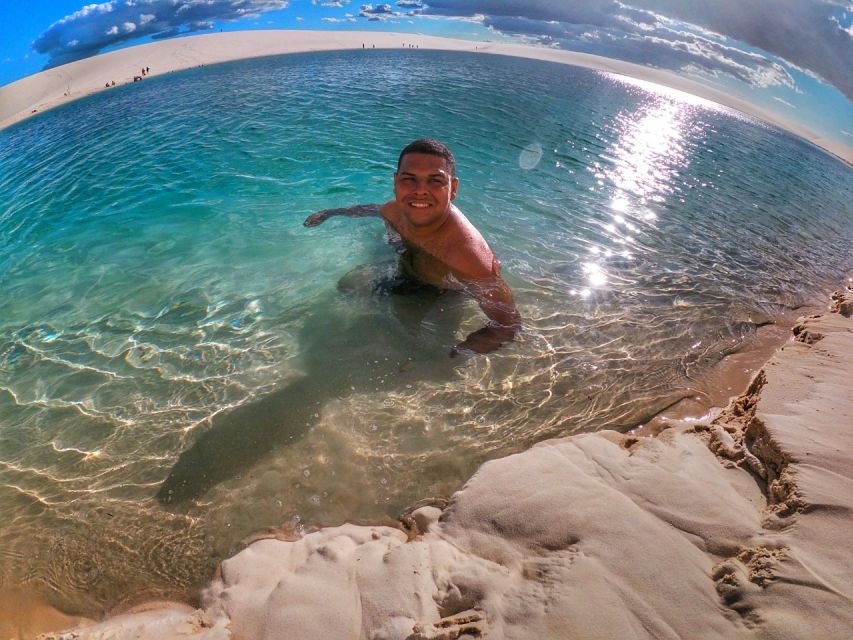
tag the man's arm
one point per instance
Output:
(495, 299)
(356, 211)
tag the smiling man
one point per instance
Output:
(438, 246)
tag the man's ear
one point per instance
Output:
(454, 187)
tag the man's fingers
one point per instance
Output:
(461, 351)
(314, 219)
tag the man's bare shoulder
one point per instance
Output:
(390, 211)
(468, 253)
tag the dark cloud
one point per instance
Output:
(591, 12)
(705, 36)
(805, 33)
(98, 26)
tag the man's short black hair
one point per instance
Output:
(431, 147)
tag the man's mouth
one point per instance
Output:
(419, 205)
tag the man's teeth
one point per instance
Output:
(420, 205)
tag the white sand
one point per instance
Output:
(593, 536)
(57, 86)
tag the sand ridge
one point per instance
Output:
(51, 88)
(733, 529)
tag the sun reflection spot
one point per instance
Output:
(650, 149)
(620, 204)
(594, 274)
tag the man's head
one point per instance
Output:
(425, 183)
(430, 147)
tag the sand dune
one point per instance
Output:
(735, 529)
(51, 88)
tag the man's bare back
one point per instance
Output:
(438, 245)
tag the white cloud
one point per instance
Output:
(96, 27)
(384, 12)
(848, 29)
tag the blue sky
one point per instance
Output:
(791, 57)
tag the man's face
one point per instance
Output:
(424, 188)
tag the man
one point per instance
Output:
(438, 246)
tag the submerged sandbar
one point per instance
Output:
(54, 87)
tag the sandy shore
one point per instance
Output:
(57, 86)
(734, 529)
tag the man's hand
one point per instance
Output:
(484, 340)
(495, 299)
(317, 218)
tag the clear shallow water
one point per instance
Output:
(155, 273)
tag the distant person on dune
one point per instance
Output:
(439, 248)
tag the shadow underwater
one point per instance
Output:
(363, 333)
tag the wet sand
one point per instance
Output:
(42, 91)
(727, 378)
(733, 528)
(23, 614)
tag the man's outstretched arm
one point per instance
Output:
(495, 299)
(356, 211)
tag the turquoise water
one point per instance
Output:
(182, 363)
